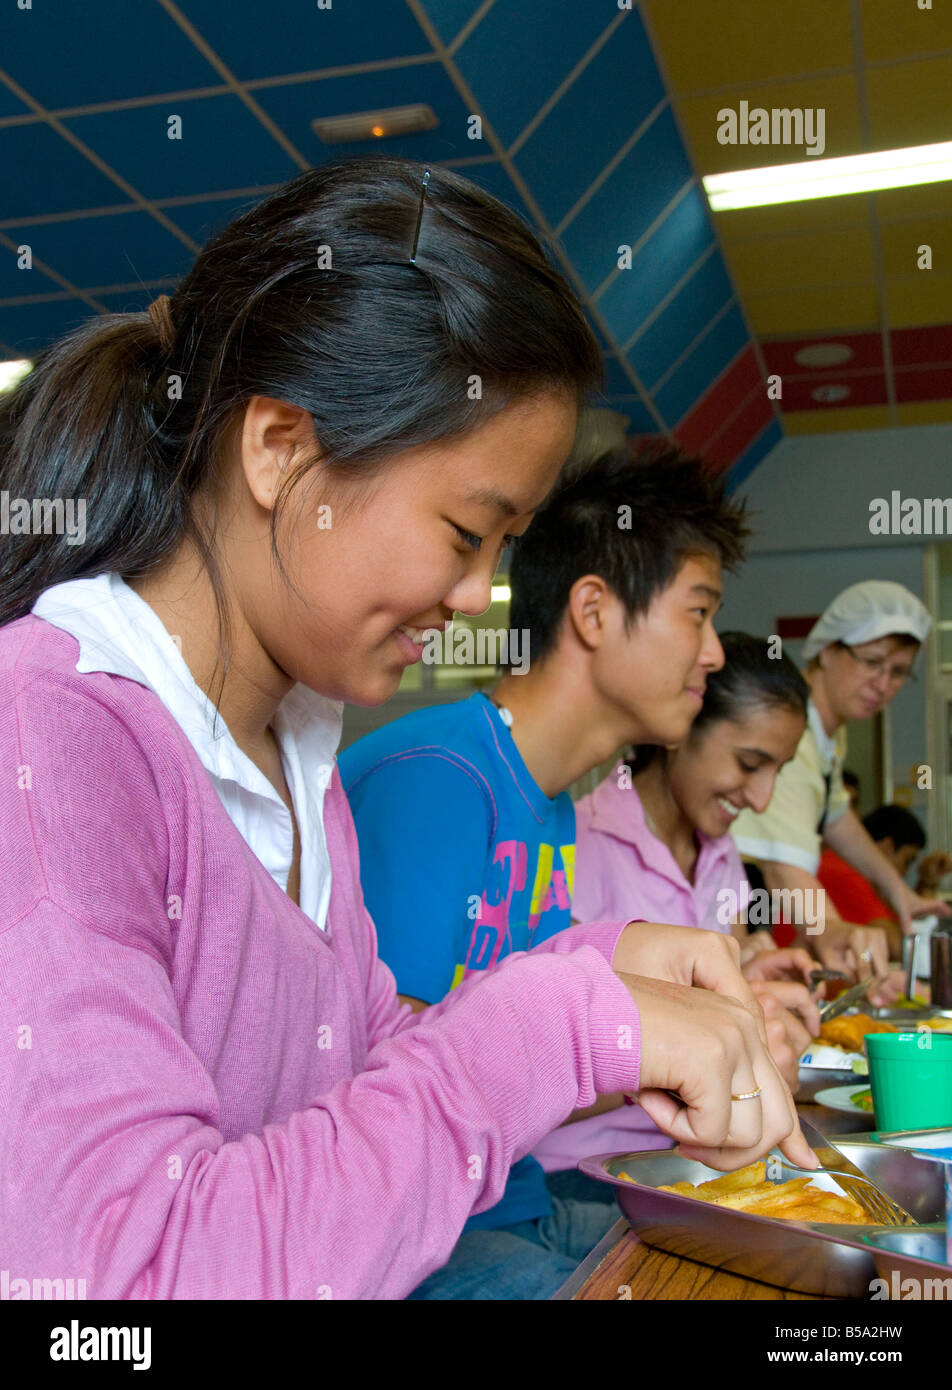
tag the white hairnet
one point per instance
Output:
(864, 613)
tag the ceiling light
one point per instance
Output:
(370, 125)
(830, 178)
(823, 355)
(12, 372)
(829, 395)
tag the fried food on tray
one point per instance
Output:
(796, 1200)
(849, 1030)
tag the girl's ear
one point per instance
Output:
(272, 433)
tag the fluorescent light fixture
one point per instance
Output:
(374, 125)
(501, 593)
(12, 372)
(830, 178)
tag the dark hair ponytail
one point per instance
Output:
(310, 298)
(750, 678)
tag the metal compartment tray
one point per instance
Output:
(808, 1258)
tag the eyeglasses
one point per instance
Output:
(878, 666)
(419, 220)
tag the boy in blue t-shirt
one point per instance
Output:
(466, 829)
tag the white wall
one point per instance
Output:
(812, 492)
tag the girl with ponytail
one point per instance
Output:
(314, 451)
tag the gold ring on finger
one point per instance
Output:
(747, 1095)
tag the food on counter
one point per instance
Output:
(748, 1190)
(849, 1030)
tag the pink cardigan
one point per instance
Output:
(202, 1094)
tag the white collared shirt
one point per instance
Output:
(119, 633)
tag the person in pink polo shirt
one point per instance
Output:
(653, 839)
(281, 477)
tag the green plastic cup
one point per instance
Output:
(911, 1078)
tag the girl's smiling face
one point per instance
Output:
(732, 764)
(404, 549)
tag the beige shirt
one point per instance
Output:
(787, 831)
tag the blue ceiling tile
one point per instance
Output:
(516, 57)
(130, 301)
(617, 381)
(494, 179)
(101, 50)
(672, 332)
(222, 146)
(206, 219)
(14, 281)
(42, 173)
(630, 199)
(115, 250)
(696, 373)
(449, 17)
(755, 453)
(296, 105)
(29, 328)
(11, 105)
(569, 149)
(295, 36)
(670, 251)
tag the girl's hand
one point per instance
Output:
(684, 956)
(791, 963)
(908, 905)
(755, 945)
(860, 952)
(793, 1021)
(708, 1048)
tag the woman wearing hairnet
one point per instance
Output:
(858, 655)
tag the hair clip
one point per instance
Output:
(416, 234)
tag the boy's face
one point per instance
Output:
(656, 670)
(902, 857)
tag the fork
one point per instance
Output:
(883, 1210)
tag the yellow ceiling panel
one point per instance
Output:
(836, 96)
(814, 215)
(924, 201)
(812, 258)
(926, 413)
(866, 417)
(712, 43)
(909, 103)
(892, 30)
(915, 300)
(901, 242)
(829, 308)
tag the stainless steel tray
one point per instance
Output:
(910, 1264)
(911, 1016)
(806, 1257)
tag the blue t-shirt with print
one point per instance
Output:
(462, 860)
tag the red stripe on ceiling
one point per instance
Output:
(866, 389)
(866, 351)
(923, 386)
(729, 391)
(921, 347)
(742, 430)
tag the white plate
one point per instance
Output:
(838, 1098)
